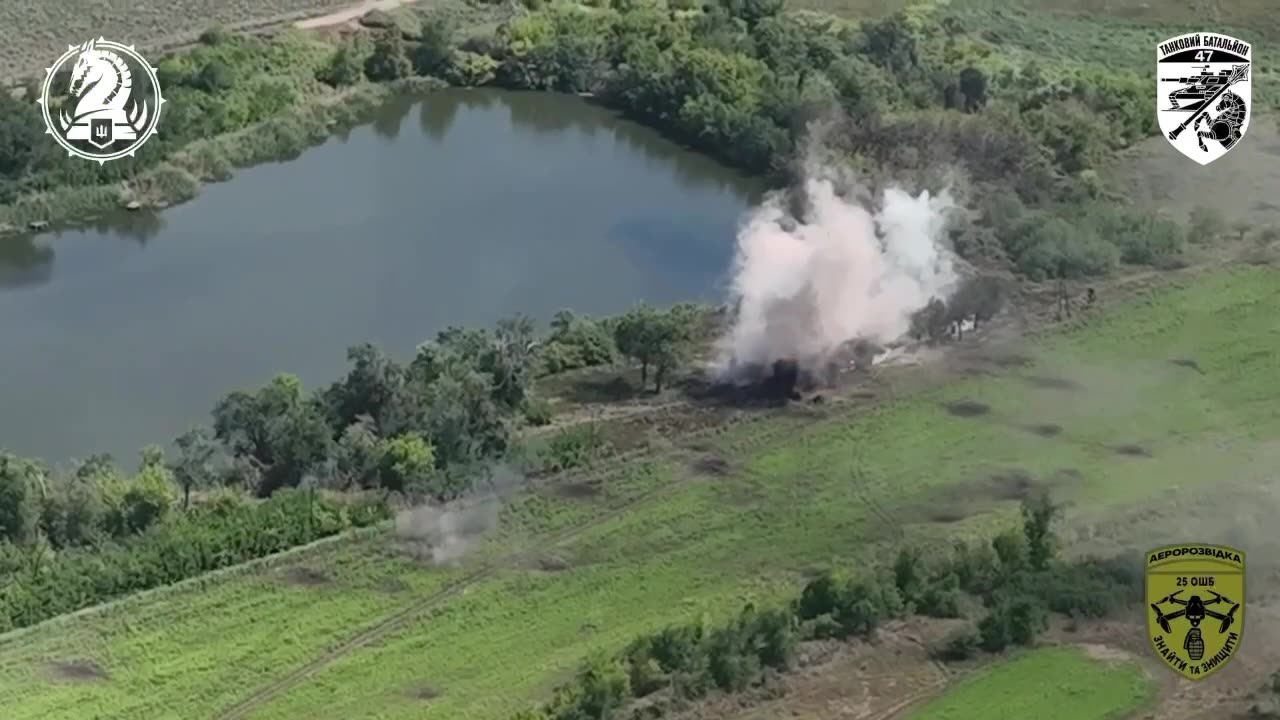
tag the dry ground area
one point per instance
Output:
(37, 31)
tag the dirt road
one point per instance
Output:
(349, 14)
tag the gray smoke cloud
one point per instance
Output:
(813, 275)
(443, 533)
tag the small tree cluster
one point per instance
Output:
(976, 300)
(657, 339)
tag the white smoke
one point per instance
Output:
(843, 270)
(444, 533)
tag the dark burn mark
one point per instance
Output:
(1188, 363)
(713, 465)
(947, 515)
(306, 577)
(1045, 429)
(1011, 484)
(1132, 451)
(968, 408)
(77, 670)
(1051, 383)
(577, 490)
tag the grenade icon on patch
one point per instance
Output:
(1195, 611)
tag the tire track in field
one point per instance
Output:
(395, 620)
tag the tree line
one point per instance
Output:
(1007, 587)
(917, 92)
(324, 461)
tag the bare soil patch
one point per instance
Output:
(78, 671)
(968, 408)
(1131, 450)
(307, 577)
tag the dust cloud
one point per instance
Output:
(828, 264)
(443, 533)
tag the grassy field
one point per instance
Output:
(1104, 417)
(1049, 684)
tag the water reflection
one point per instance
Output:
(27, 260)
(125, 332)
(387, 122)
(24, 262)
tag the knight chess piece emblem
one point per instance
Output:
(101, 100)
(1203, 93)
(1196, 595)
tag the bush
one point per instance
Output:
(961, 645)
(537, 411)
(574, 446)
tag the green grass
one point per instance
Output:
(798, 496)
(1048, 684)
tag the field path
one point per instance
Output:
(352, 13)
(391, 622)
(395, 620)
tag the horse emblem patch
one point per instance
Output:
(1195, 594)
(101, 100)
(1203, 93)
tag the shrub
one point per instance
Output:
(961, 645)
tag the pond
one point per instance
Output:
(457, 208)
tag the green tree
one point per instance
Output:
(145, 499)
(19, 134)
(436, 45)
(389, 60)
(73, 512)
(216, 76)
(470, 69)
(1206, 224)
(369, 389)
(406, 462)
(280, 432)
(973, 89)
(1038, 513)
(195, 467)
(357, 455)
(21, 486)
(346, 67)
(652, 338)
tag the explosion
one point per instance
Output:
(809, 283)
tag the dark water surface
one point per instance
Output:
(453, 210)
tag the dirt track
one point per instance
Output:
(350, 14)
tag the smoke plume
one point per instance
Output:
(835, 268)
(444, 533)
